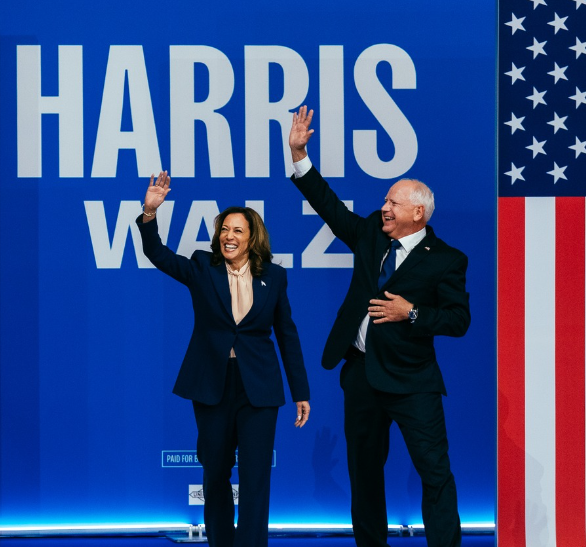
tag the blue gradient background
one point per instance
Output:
(88, 357)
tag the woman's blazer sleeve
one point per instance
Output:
(178, 267)
(289, 344)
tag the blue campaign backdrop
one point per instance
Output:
(94, 98)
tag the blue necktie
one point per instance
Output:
(389, 263)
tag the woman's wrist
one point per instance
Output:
(149, 211)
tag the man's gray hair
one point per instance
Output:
(422, 195)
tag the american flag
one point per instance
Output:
(541, 273)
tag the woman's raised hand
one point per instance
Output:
(156, 192)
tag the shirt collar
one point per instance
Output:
(409, 242)
(241, 271)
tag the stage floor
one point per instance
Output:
(291, 541)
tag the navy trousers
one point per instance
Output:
(222, 428)
(368, 415)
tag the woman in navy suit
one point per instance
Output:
(231, 371)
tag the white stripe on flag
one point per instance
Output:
(540, 409)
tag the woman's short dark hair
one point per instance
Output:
(259, 246)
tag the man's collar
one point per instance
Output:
(410, 241)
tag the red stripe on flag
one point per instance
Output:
(569, 371)
(511, 372)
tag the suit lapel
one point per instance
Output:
(261, 287)
(419, 252)
(219, 276)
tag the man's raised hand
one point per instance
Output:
(300, 133)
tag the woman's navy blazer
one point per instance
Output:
(203, 372)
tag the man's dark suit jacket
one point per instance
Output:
(203, 372)
(400, 356)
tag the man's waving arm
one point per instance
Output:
(345, 224)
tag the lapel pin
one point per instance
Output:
(427, 248)
(263, 283)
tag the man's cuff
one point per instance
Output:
(302, 167)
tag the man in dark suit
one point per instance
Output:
(407, 287)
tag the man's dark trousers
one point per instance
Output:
(369, 414)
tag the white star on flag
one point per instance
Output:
(516, 24)
(558, 123)
(579, 147)
(537, 147)
(579, 48)
(516, 123)
(579, 3)
(537, 48)
(557, 172)
(579, 97)
(516, 73)
(515, 173)
(537, 97)
(558, 73)
(558, 23)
